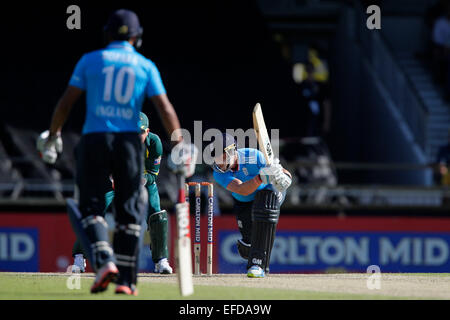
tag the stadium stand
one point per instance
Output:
(376, 81)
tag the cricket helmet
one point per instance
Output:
(143, 121)
(225, 145)
(124, 24)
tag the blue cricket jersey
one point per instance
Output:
(250, 162)
(116, 79)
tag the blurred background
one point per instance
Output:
(364, 115)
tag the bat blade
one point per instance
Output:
(183, 243)
(264, 143)
(183, 258)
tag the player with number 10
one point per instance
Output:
(116, 80)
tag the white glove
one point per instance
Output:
(269, 174)
(275, 176)
(183, 158)
(282, 182)
(49, 147)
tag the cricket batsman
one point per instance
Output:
(258, 190)
(157, 220)
(116, 80)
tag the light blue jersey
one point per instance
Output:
(116, 79)
(250, 162)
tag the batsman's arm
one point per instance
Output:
(168, 116)
(244, 188)
(63, 108)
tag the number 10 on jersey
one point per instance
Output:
(121, 95)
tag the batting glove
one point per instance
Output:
(269, 174)
(49, 147)
(183, 158)
(282, 182)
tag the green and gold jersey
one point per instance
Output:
(152, 157)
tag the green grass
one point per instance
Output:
(44, 287)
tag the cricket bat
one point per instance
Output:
(261, 133)
(183, 242)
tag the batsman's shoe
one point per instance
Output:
(79, 264)
(106, 274)
(163, 267)
(255, 272)
(123, 289)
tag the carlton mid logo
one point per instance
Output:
(317, 251)
(19, 249)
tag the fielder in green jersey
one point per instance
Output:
(157, 219)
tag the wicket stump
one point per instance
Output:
(197, 236)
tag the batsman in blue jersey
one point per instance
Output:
(258, 190)
(116, 80)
